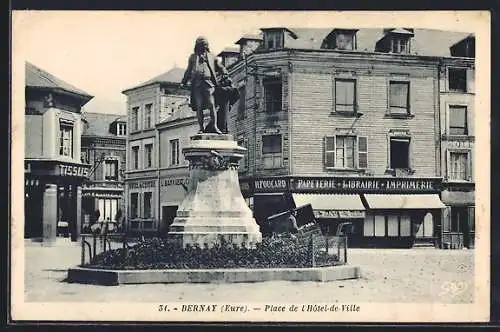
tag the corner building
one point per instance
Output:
(348, 121)
(54, 172)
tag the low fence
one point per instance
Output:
(323, 248)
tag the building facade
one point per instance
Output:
(457, 132)
(54, 172)
(160, 123)
(348, 121)
(104, 148)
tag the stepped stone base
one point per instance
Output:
(214, 209)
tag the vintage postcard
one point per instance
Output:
(250, 166)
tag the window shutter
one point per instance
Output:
(446, 220)
(329, 151)
(362, 152)
(470, 80)
(472, 223)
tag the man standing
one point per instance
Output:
(201, 72)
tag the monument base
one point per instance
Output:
(214, 210)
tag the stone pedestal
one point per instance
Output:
(214, 209)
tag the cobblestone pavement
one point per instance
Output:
(388, 275)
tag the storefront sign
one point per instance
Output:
(142, 184)
(271, 185)
(339, 214)
(347, 184)
(73, 170)
(173, 181)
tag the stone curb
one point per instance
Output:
(119, 277)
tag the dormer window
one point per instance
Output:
(274, 38)
(464, 48)
(340, 39)
(121, 129)
(395, 41)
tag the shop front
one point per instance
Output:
(384, 211)
(103, 204)
(53, 196)
(458, 227)
(173, 189)
(142, 206)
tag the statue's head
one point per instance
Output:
(201, 45)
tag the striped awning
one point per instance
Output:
(396, 201)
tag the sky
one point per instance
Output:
(104, 53)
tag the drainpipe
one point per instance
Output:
(439, 166)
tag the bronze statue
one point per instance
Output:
(209, 90)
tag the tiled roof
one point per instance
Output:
(174, 75)
(97, 124)
(425, 41)
(39, 78)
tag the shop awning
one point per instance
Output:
(394, 201)
(332, 205)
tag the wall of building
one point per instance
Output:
(313, 104)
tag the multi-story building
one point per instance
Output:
(457, 132)
(348, 121)
(104, 147)
(159, 123)
(53, 170)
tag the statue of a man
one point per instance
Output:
(202, 71)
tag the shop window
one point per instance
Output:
(107, 209)
(458, 167)
(426, 227)
(242, 103)
(459, 216)
(399, 153)
(135, 118)
(399, 98)
(121, 129)
(369, 226)
(134, 205)
(387, 226)
(111, 169)
(458, 120)
(271, 151)
(135, 157)
(273, 95)
(341, 152)
(149, 155)
(457, 79)
(174, 152)
(66, 139)
(345, 96)
(392, 225)
(147, 116)
(148, 203)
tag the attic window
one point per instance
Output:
(121, 129)
(340, 39)
(273, 39)
(400, 45)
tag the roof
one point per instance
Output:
(174, 75)
(39, 78)
(229, 50)
(98, 123)
(292, 32)
(249, 37)
(425, 41)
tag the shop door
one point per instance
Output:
(168, 214)
(33, 212)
